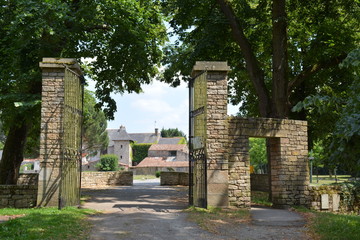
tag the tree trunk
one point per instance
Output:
(280, 96)
(252, 66)
(13, 152)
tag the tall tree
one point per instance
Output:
(279, 50)
(95, 136)
(122, 37)
(172, 132)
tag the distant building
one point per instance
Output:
(31, 165)
(178, 152)
(120, 142)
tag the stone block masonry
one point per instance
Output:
(52, 130)
(289, 173)
(174, 178)
(226, 143)
(18, 196)
(105, 179)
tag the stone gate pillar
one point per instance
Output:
(216, 131)
(52, 109)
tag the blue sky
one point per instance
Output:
(158, 106)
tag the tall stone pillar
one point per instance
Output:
(52, 109)
(215, 128)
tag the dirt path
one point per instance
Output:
(148, 211)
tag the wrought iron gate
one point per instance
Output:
(71, 142)
(197, 155)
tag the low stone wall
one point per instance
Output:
(325, 198)
(28, 179)
(153, 170)
(259, 182)
(103, 179)
(18, 196)
(174, 178)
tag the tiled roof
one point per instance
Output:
(144, 137)
(173, 140)
(161, 162)
(119, 134)
(168, 147)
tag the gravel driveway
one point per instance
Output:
(148, 211)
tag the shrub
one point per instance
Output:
(351, 196)
(140, 151)
(108, 162)
(157, 174)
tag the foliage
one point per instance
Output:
(341, 133)
(350, 196)
(140, 151)
(314, 37)
(95, 136)
(182, 141)
(46, 223)
(257, 154)
(122, 38)
(157, 174)
(260, 198)
(172, 132)
(108, 162)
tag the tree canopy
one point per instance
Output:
(280, 51)
(340, 134)
(172, 132)
(122, 38)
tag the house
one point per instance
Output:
(164, 157)
(150, 165)
(30, 165)
(120, 142)
(179, 152)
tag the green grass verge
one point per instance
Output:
(330, 226)
(260, 198)
(213, 219)
(336, 226)
(143, 177)
(326, 179)
(46, 223)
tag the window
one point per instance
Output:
(173, 153)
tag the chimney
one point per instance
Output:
(156, 131)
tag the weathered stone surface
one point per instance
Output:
(18, 196)
(103, 179)
(174, 178)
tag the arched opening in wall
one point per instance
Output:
(259, 172)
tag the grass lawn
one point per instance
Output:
(330, 226)
(260, 198)
(143, 177)
(45, 223)
(326, 179)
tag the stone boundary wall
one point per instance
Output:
(18, 196)
(259, 182)
(153, 170)
(325, 198)
(28, 179)
(174, 178)
(103, 179)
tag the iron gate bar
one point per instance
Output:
(197, 157)
(191, 181)
(70, 181)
